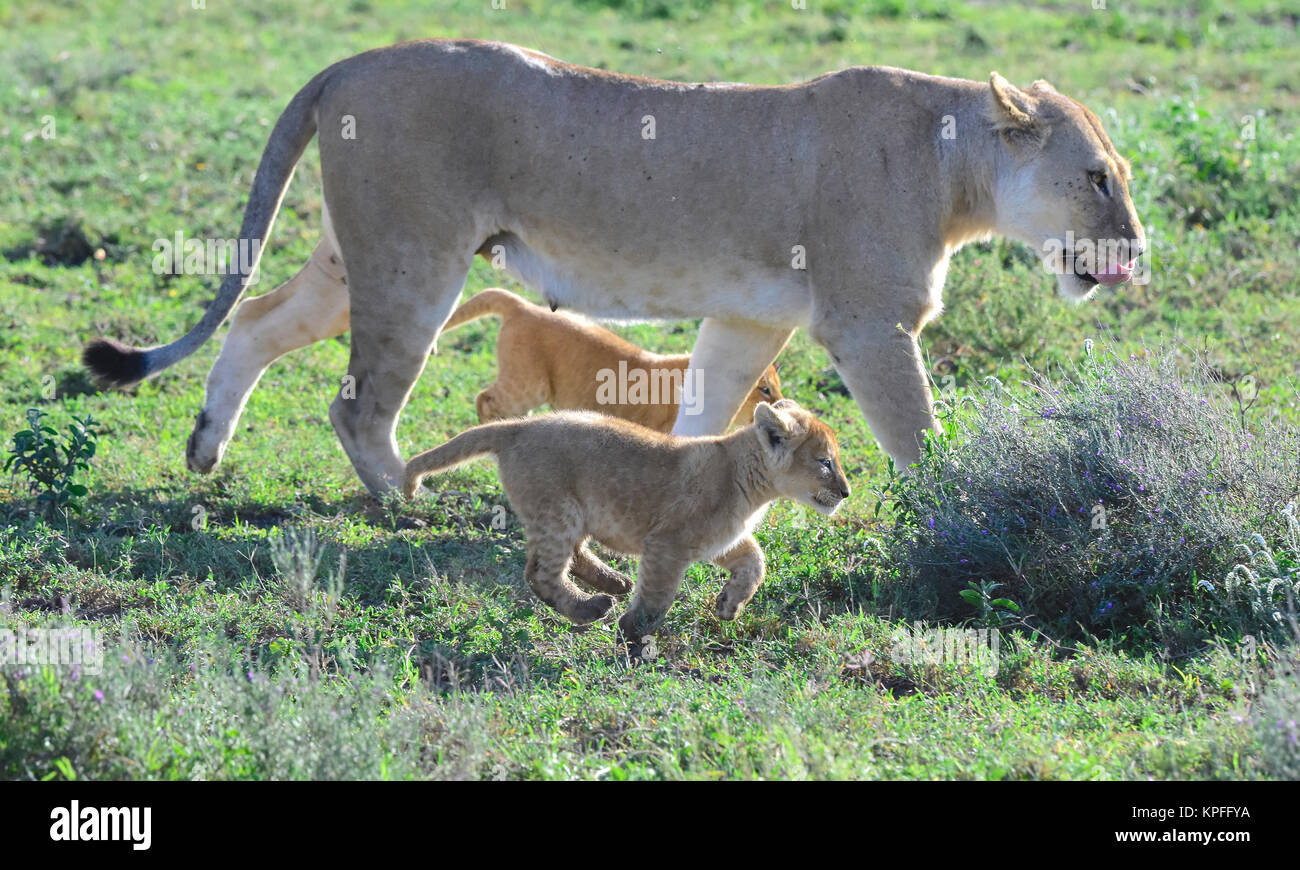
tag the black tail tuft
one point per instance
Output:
(114, 364)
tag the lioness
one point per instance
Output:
(575, 475)
(545, 357)
(832, 205)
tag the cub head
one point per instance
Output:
(1062, 187)
(768, 389)
(802, 456)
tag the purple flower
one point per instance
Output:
(99, 696)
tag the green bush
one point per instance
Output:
(1218, 169)
(50, 466)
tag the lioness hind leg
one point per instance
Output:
(309, 307)
(549, 555)
(745, 565)
(589, 569)
(396, 315)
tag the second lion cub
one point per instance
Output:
(574, 476)
(557, 359)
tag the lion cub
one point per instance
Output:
(573, 476)
(558, 359)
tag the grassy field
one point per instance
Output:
(273, 621)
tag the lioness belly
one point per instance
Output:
(611, 284)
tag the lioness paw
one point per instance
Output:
(728, 607)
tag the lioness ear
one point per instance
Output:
(1013, 112)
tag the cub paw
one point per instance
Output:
(592, 609)
(619, 583)
(634, 628)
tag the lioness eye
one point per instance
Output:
(1098, 179)
(765, 391)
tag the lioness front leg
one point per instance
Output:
(728, 358)
(881, 366)
(309, 307)
(745, 565)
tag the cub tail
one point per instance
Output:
(488, 438)
(492, 301)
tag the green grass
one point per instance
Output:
(435, 659)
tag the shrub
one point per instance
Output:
(153, 713)
(51, 467)
(1276, 717)
(1109, 501)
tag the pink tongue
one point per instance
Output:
(1114, 275)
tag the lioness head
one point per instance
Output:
(768, 389)
(802, 455)
(1062, 187)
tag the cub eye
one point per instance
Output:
(1098, 179)
(826, 464)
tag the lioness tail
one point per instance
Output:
(492, 301)
(488, 438)
(121, 365)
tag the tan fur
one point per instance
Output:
(546, 357)
(574, 476)
(832, 205)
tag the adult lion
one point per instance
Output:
(833, 205)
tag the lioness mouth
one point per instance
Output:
(1070, 263)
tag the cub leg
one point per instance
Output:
(309, 307)
(660, 576)
(728, 358)
(745, 564)
(498, 403)
(589, 569)
(549, 554)
(522, 382)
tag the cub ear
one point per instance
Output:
(785, 404)
(1013, 113)
(774, 428)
